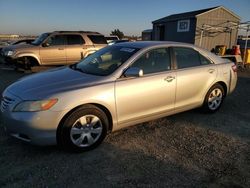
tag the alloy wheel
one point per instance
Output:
(215, 99)
(86, 130)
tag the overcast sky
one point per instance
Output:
(32, 17)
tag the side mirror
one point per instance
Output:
(46, 44)
(133, 72)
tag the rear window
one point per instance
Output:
(186, 57)
(97, 39)
(75, 39)
(111, 38)
(204, 60)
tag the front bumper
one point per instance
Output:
(9, 60)
(38, 128)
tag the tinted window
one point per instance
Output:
(75, 39)
(111, 38)
(186, 57)
(156, 60)
(56, 40)
(204, 60)
(97, 39)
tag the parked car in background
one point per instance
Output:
(111, 38)
(3, 44)
(56, 48)
(117, 41)
(118, 86)
(10, 43)
(23, 41)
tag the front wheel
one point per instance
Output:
(84, 129)
(214, 98)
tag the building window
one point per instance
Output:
(183, 25)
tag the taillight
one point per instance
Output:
(234, 68)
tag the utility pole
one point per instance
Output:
(201, 37)
(201, 34)
(245, 50)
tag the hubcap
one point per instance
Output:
(86, 131)
(215, 99)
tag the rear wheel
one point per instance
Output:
(84, 129)
(214, 98)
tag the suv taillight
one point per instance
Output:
(234, 68)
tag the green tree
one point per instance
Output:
(118, 33)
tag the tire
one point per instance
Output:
(214, 99)
(27, 63)
(84, 129)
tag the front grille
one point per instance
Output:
(5, 103)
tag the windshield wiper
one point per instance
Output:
(74, 67)
(35, 44)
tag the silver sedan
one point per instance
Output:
(116, 87)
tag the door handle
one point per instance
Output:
(60, 48)
(211, 71)
(169, 78)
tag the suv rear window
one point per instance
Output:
(111, 38)
(75, 39)
(97, 39)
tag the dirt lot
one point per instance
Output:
(190, 149)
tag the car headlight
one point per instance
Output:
(9, 53)
(33, 106)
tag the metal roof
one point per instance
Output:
(147, 31)
(191, 14)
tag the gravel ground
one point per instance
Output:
(190, 149)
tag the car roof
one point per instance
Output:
(149, 44)
(145, 44)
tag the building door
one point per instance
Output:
(162, 32)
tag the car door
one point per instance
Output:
(74, 48)
(150, 95)
(52, 52)
(195, 75)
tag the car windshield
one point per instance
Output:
(40, 39)
(105, 61)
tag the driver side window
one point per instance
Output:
(156, 60)
(56, 40)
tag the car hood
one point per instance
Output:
(18, 46)
(49, 83)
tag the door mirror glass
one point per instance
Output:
(46, 44)
(133, 72)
